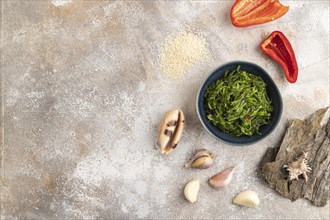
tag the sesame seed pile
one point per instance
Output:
(180, 52)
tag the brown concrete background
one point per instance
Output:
(82, 97)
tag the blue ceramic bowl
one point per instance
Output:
(272, 91)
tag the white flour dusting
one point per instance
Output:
(59, 3)
(95, 169)
(141, 187)
(129, 15)
(141, 87)
(13, 95)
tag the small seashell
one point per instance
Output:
(170, 130)
(222, 179)
(202, 159)
(247, 198)
(191, 190)
(298, 167)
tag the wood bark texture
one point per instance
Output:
(312, 136)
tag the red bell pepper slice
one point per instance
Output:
(278, 47)
(250, 12)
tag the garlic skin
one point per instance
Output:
(247, 198)
(191, 190)
(170, 130)
(222, 179)
(202, 159)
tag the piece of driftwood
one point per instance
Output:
(311, 136)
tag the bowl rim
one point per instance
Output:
(239, 62)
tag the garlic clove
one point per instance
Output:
(191, 190)
(222, 179)
(202, 159)
(170, 130)
(202, 162)
(247, 198)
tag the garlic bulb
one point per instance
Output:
(202, 159)
(223, 178)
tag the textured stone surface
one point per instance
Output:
(312, 137)
(83, 96)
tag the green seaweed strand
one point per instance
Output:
(238, 104)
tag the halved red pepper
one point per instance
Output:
(278, 47)
(250, 12)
